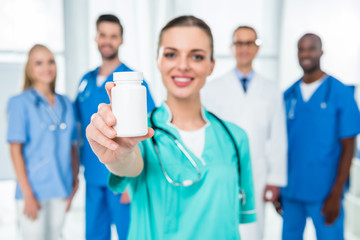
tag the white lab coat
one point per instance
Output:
(261, 113)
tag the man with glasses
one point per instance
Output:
(243, 97)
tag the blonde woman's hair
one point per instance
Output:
(28, 79)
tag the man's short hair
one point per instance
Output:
(109, 18)
(314, 36)
(245, 27)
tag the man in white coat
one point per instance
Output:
(245, 98)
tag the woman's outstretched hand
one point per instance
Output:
(111, 150)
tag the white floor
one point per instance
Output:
(74, 225)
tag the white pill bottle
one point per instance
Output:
(128, 102)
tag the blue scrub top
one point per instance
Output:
(86, 104)
(47, 153)
(314, 135)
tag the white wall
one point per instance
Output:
(37, 21)
(143, 20)
(337, 23)
(224, 16)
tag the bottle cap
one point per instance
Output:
(127, 76)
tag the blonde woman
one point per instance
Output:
(42, 136)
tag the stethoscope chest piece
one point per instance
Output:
(58, 123)
(323, 105)
(242, 197)
(62, 126)
(53, 127)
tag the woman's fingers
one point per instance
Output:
(148, 135)
(108, 87)
(101, 133)
(32, 215)
(98, 122)
(96, 136)
(31, 212)
(104, 110)
(135, 140)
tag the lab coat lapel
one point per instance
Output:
(255, 88)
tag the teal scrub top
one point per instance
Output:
(208, 209)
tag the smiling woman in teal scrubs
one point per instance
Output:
(185, 179)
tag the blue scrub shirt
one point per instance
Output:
(86, 104)
(314, 135)
(47, 153)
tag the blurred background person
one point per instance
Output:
(323, 120)
(103, 207)
(254, 103)
(42, 136)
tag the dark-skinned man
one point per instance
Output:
(322, 120)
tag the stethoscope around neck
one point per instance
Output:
(189, 182)
(293, 100)
(56, 122)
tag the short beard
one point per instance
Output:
(111, 57)
(311, 70)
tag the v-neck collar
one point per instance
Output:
(44, 99)
(120, 68)
(316, 92)
(163, 118)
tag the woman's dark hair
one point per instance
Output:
(189, 21)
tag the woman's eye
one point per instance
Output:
(169, 55)
(198, 57)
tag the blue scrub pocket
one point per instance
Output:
(40, 173)
(325, 125)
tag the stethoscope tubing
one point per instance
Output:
(190, 182)
(293, 100)
(58, 122)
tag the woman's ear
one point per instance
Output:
(212, 67)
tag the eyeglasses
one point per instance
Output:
(257, 42)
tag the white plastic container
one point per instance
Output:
(129, 104)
